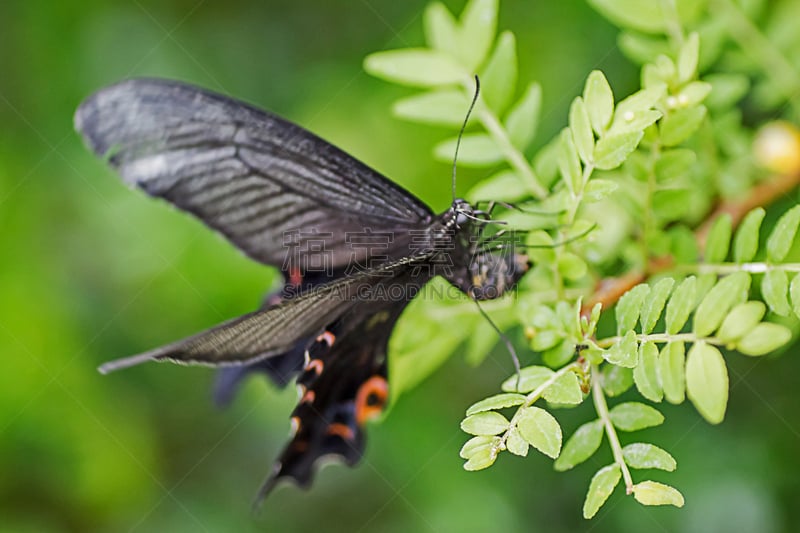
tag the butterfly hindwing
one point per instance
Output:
(343, 385)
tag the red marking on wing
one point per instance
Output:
(295, 276)
(342, 430)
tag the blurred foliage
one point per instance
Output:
(91, 270)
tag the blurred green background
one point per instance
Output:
(91, 271)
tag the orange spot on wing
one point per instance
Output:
(327, 337)
(371, 399)
(308, 397)
(316, 365)
(342, 430)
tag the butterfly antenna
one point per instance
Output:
(461, 133)
(505, 339)
(561, 243)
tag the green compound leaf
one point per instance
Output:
(612, 149)
(745, 244)
(671, 364)
(740, 321)
(707, 381)
(633, 416)
(629, 306)
(654, 304)
(540, 430)
(728, 292)
(516, 444)
(569, 163)
(774, 290)
(764, 338)
(581, 129)
(499, 77)
(523, 119)
(476, 444)
(476, 150)
(599, 101)
(645, 375)
(565, 390)
(417, 67)
(498, 401)
(601, 487)
(719, 239)
(443, 107)
(580, 446)
(680, 125)
(641, 455)
(487, 423)
(530, 378)
(616, 379)
(681, 304)
(782, 237)
(624, 352)
(654, 493)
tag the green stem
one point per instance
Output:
(534, 395)
(662, 338)
(600, 405)
(648, 223)
(730, 268)
(751, 40)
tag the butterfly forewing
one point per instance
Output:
(277, 329)
(253, 176)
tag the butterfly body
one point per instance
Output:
(354, 249)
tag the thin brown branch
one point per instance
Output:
(609, 290)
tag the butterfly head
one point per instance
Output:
(463, 213)
(483, 268)
(491, 274)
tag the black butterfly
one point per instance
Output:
(291, 200)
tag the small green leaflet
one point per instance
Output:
(540, 430)
(633, 416)
(601, 487)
